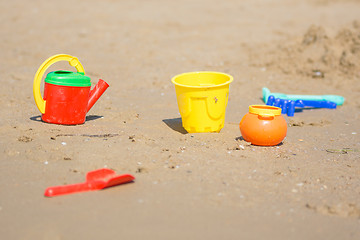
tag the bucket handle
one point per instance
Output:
(73, 61)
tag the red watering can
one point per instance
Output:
(67, 95)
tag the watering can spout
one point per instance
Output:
(96, 93)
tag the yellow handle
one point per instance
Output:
(73, 61)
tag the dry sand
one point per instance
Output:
(188, 186)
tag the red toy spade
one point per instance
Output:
(95, 180)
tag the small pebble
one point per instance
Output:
(318, 74)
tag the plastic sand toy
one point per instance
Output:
(339, 100)
(95, 180)
(288, 106)
(202, 98)
(67, 95)
(263, 125)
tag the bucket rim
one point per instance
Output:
(201, 72)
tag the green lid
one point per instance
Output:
(68, 78)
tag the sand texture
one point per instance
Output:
(188, 186)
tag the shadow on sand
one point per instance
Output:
(88, 118)
(175, 124)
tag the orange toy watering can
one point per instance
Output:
(67, 95)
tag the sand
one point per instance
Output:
(188, 186)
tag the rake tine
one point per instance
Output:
(285, 106)
(277, 102)
(291, 109)
(270, 101)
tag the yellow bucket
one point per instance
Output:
(202, 99)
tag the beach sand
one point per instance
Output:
(187, 186)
